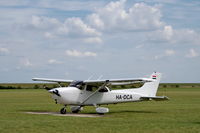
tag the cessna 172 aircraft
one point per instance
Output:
(96, 92)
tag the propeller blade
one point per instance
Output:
(56, 92)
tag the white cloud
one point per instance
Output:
(45, 27)
(90, 54)
(168, 32)
(175, 36)
(70, 28)
(169, 52)
(76, 27)
(95, 21)
(4, 51)
(187, 36)
(49, 35)
(114, 16)
(192, 53)
(93, 40)
(53, 61)
(44, 22)
(76, 53)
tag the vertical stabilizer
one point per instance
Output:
(150, 88)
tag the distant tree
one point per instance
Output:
(36, 87)
(177, 86)
(19, 87)
(1, 87)
(10, 87)
(164, 86)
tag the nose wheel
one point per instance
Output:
(63, 110)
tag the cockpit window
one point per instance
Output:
(103, 90)
(77, 84)
(91, 88)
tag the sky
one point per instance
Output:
(92, 39)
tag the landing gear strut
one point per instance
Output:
(63, 110)
(76, 109)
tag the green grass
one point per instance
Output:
(181, 114)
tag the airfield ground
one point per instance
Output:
(179, 115)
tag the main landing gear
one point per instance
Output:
(74, 109)
(63, 110)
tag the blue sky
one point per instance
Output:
(117, 39)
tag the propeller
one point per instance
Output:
(56, 92)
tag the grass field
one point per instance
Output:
(181, 114)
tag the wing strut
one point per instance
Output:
(101, 87)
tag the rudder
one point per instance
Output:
(150, 88)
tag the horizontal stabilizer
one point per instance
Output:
(157, 98)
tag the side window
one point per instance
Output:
(91, 88)
(81, 87)
(103, 90)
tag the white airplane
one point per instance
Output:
(96, 92)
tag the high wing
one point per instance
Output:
(52, 80)
(124, 81)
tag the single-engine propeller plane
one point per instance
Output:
(96, 92)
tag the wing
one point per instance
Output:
(125, 81)
(52, 80)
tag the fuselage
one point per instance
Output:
(75, 96)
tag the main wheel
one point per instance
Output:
(101, 113)
(63, 111)
(75, 111)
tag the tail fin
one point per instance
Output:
(150, 88)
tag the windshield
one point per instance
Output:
(77, 84)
